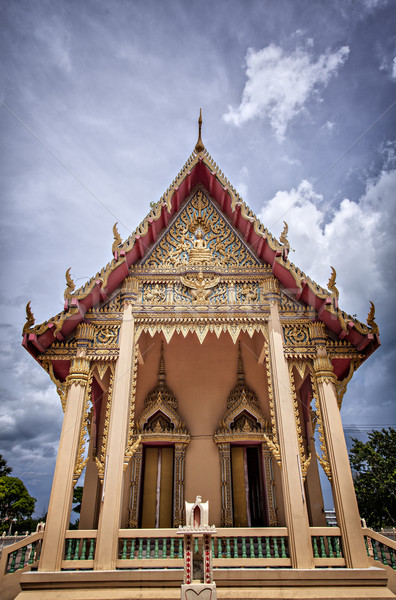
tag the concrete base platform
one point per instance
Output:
(231, 584)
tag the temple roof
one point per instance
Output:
(200, 169)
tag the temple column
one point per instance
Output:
(346, 507)
(296, 515)
(226, 486)
(113, 486)
(58, 516)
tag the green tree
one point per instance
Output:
(4, 468)
(374, 472)
(15, 502)
(77, 498)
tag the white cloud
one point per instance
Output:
(279, 84)
(357, 239)
(394, 68)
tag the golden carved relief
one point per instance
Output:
(305, 457)
(83, 439)
(324, 457)
(201, 236)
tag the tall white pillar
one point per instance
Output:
(113, 486)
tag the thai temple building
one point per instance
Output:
(198, 366)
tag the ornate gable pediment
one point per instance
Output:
(200, 236)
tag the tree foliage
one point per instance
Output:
(374, 471)
(16, 504)
(4, 468)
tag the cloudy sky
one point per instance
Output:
(98, 112)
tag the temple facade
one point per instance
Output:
(201, 362)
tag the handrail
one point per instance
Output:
(380, 548)
(15, 556)
(327, 547)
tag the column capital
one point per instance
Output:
(271, 289)
(79, 371)
(324, 370)
(84, 334)
(130, 290)
(317, 332)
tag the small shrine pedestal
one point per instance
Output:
(197, 517)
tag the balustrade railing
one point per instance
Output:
(380, 548)
(255, 547)
(79, 552)
(150, 548)
(231, 547)
(24, 553)
(327, 547)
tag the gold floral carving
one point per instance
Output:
(323, 369)
(324, 457)
(200, 236)
(270, 486)
(132, 443)
(82, 444)
(273, 443)
(317, 332)
(61, 387)
(305, 457)
(79, 371)
(341, 386)
(295, 334)
(101, 461)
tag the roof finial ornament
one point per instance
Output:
(70, 285)
(29, 318)
(370, 319)
(199, 147)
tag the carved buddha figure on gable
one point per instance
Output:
(200, 253)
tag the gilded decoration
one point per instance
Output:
(160, 420)
(201, 327)
(132, 444)
(305, 455)
(79, 371)
(243, 419)
(29, 319)
(84, 433)
(61, 386)
(318, 422)
(101, 459)
(273, 443)
(159, 423)
(70, 285)
(370, 319)
(200, 236)
(243, 422)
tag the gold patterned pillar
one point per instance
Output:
(342, 483)
(296, 515)
(178, 506)
(58, 516)
(136, 477)
(226, 486)
(113, 486)
(269, 485)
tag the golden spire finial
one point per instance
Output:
(199, 147)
